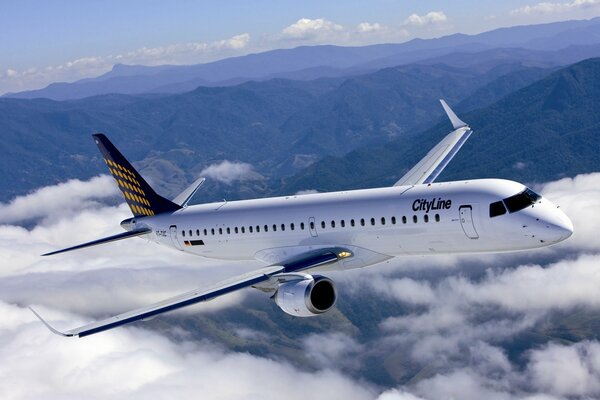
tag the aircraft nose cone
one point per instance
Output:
(561, 226)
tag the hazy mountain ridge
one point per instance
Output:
(278, 126)
(326, 59)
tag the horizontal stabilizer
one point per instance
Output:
(113, 238)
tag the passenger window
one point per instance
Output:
(393, 220)
(283, 227)
(274, 228)
(362, 222)
(257, 228)
(352, 222)
(497, 208)
(437, 217)
(228, 231)
(236, 229)
(197, 232)
(372, 221)
(250, 228)
(333, 224)
(382, 221)
(323, 224)
(266, 228)
(415, 219)
(426, 218)
(312, 225)
(212, 231)
(302, 225)
(205, 232)
(342, 223)
(191, 234)
(404, 219)
(243, 229)
(292, 226)
(183, 233)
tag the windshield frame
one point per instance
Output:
(521, 200)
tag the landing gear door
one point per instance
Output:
(174, 239)
(312, 227)
(466, 221)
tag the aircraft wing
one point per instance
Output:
(429, 168)
(285, 269)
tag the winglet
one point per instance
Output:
(184, 197)
(65, 334)
(456, 122)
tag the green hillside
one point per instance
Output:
(278, 126)
(542, 132)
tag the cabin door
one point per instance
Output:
(466, 221)
(174, 240)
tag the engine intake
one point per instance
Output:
(306, 298)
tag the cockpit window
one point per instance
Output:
(497, 208)
(522, 200)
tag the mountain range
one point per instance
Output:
(544, 131)
(278, 126)
(342, 132)
(576, 41)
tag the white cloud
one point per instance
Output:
(451, 321)
(312, 29)
(406, 290)
(176, 54)
(432, 17)
(396, 394)
(53, 201)
(365, 27)
(578, 197)
(567, 370)
(237, 42)
(330, 350)
(227, 172)
(136, 363)
(553, 8)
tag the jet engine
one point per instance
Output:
(307, 297)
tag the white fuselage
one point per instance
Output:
(452, 217)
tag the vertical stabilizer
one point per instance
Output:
(141, 198)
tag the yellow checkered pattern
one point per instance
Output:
(131, 188)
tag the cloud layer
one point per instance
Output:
(228, 171)
(555, 8)
(460, 320)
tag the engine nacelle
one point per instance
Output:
(306, 298)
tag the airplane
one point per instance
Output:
(300, 237)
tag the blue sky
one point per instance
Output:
(66, 40)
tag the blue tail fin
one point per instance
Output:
(141, 198)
